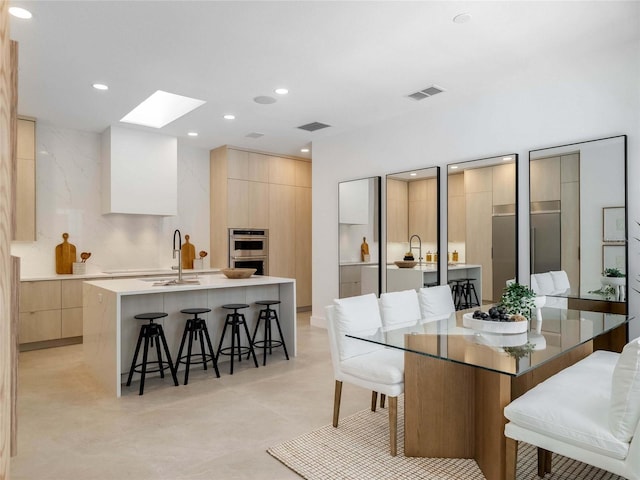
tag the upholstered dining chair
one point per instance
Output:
(589, 411)
(399, 309)
(364, 364)
(436, 303)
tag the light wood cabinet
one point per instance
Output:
(26, 181)
(504, 185)
(544, 179)
(397, 211)
(479, 239)
(40, 305)
(256, 190)
(303, 246)
(456, 213)
(423, 215)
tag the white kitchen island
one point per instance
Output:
(110, 332)
(399, 279)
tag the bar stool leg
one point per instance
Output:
(267, 340)
(158, 353)
(214, 360)
(284, 345)
(145, 352)
(234, 329)
(202, 350)
(189, 348)
(236, 326)
(135, 357)
(251, 350)
(172, 367)
(181, 349)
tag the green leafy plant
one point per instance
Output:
(517, 298)
(519, 351)
(607, 291)
(613, 272)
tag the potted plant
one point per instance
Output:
(518, 299)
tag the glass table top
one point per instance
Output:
(512, 354)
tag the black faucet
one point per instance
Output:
(179, 251)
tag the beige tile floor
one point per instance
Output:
(212, 428)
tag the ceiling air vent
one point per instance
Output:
(254, 135)
(426, 92)
(312, 127)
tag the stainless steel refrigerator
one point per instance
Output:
(545, 239)
(503, 250)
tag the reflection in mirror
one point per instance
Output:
(359, 236)
(482, 229)
(413, 205)
(578, 219)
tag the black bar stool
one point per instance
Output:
(457, 293)
(150, 332)
(469, 289)
(268, 314)
(236, 319)
(195, 326)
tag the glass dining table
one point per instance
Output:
(458, 380)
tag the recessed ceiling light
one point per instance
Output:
(160, 109)
(100, 86)
(281, 91)
(413, 174)
(453, 167)
(229, 116)
(193, 134)
(462, 18)
(304, 150)
(506, 159)
(20, 13)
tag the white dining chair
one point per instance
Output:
(361, 363)
(436, 303)
(399, 310)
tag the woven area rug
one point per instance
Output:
(358, 449)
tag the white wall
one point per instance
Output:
(68, 186)
(542, 105)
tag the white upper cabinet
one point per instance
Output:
(354, 202)
(139, 172)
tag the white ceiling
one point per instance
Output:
(346, 64)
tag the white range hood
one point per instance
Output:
(139, 172)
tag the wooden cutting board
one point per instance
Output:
(65, 255)
(188, 253)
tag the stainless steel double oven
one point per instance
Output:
(249, 248)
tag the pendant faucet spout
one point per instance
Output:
(178, 251)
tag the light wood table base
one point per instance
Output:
(456, 411)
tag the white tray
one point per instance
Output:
(493, 327)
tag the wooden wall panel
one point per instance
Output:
(8, 72)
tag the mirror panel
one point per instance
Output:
(359, 233)
(578, 220)
(482, 221)
(413, 206)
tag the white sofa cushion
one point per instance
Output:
(557, 408)
(359, 316)
(436, 303)
(399, 309)
(625, 393)
(382, 366)
(560, 282)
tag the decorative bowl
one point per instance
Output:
(238, 272)
(493, 327)
(406, 263)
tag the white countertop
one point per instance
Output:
(133, 286)
(431, 267)
(119, 274)
(345, 264)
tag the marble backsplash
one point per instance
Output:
(68, 199)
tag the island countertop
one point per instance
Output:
(137, 286)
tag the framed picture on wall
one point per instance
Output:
(613, 256)
(613, 228)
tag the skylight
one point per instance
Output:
(160, 109)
